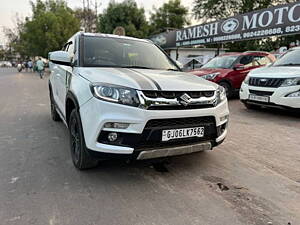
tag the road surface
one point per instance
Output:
(252, 179)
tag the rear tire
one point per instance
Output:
(80, 155)
(251, 107)
(54, 115)
(228, 89)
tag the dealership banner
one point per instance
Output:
(278, 20)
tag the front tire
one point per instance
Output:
(251, 107)
(80, 155)
(228, 89)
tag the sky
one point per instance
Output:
(10, 8)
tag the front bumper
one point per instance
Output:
(95, 113)
(277, 97)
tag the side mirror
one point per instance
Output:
(60, 57)
(239, 67)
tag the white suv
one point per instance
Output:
(276, 85)
(125, 97)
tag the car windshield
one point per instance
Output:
(121, 52)
(291, 58)
(224, 62)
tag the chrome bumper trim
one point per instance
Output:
(157, 153)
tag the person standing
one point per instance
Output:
(40, 67)
(30, 65)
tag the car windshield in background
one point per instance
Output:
(291, 58)
(224, 62)
(125, 53)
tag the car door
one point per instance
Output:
(55, 79)
(240, 74)
(63, 75)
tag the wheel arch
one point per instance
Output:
(71, 103)
(50, 86)
(226, 81)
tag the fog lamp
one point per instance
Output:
(224, 118)
(112, 136)
(116, 125)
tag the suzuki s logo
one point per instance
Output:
(230, 25)
(185, 99)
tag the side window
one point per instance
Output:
(247, 61)
(261, 60)
(65, 47)
(70, 49)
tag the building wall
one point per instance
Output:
(184, 53)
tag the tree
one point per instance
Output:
(88, 15)
(52, 23)
(14, 47)
(125, 14)
(220, 9)
(2, 54)
(171, 15)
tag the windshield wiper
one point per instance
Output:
(170, 69)
(289, 64)
(137, 67)
(147, 68)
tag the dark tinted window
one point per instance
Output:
(245, 60)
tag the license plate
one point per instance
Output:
(259, 98)
(182, 133)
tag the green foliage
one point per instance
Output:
(171, 15)
(88, 18)
(52, 23)
(219, 9)
(2, 54)
(125, 14)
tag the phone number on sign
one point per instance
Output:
(294, 28)
(263, 32)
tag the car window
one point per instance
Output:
(261, 60)
(119, 52)
(65, 47)
(247, 61)
(223, 62)
(70, 49)
(290, 58)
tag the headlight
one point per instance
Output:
(221, 95)
(291, 82)
(117, 94)
(210, 76)
(246, 81)
(294, 94)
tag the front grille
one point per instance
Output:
(152, 133)
(180, 107)
(151, 137)
(261, 93)
(177, 94)
(266, 82)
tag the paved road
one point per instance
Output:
(253, 178)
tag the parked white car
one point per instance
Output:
(276, 85)
(125, 97)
